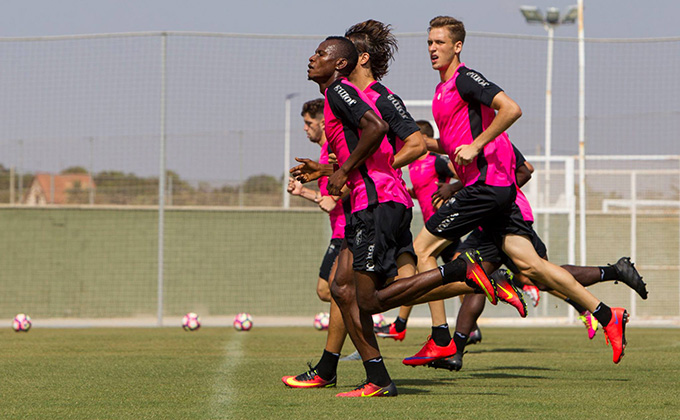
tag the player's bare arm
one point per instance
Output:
(373, 130)
(414, 147)
(508, 113)
(434, 146)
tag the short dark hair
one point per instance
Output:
(425, 128)
(314, 108)
(455, 27)
(346, 50)
(376, 39)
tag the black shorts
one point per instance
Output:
(447, 254)
(480, 205)
(329, 258)
(493, 253)
(377, 235)
(488, 249)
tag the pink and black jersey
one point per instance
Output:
(521, 200)
(375, 181)
(393, 111)
(424, 174)
(462, 110)
(337, 215)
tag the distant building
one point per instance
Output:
(55, 189)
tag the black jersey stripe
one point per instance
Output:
(476, 128)
(352, 140)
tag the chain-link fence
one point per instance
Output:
(89, 123)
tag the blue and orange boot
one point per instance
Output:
(368, 389)
(309, 379)
(615, 332)
(430, 352)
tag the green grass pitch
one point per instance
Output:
(217, 373)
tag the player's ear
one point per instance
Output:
(458, 47)
(340, 64)
(363, 58)
(322, 123)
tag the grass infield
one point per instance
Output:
(217, 373)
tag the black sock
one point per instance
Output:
(608, 273)
(376, 372)
(441, 335)
(400, 324)
(453, 271)
(603, 314)
(579, 308)
(461, 341)
(328, 365)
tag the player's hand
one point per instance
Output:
(332, 159)
(443, 193)
(466, 153)
(336, 182)
(308, 170)
(327, 203)
(294, 187)
(411, 193)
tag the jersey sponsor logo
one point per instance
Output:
(397, 105)
(477, 78)
(344, 95)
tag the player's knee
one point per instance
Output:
(341, 293)
(369, 304)
(323, 291)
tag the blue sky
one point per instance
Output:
(603, 18)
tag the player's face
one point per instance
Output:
(441, 47)
(322, 64)
(313, 128)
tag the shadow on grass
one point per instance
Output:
(500, 350)
(499, 375)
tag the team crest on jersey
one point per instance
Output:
(344, 95)
(477, 78)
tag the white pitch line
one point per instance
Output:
(223, 387)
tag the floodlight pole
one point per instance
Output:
(161, 180)
(582, 133)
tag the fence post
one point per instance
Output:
(161, 180)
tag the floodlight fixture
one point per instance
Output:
(532, 14)
(571, 15)
(552, 16)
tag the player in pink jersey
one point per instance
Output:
(377, 231)
(473, 306)
(425, 174)
(312, 115)
(472, 115)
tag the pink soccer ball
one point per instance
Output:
(191, 322)
(321, 321)
(21, 323)
(379, 320)
(243, 322)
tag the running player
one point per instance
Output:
(472, 115)
(473, 306)
(312, 115)
(378, 231)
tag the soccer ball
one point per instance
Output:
(321, 321)
(379, 320)
(21, 322)
(243, 322)
(191, 322)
